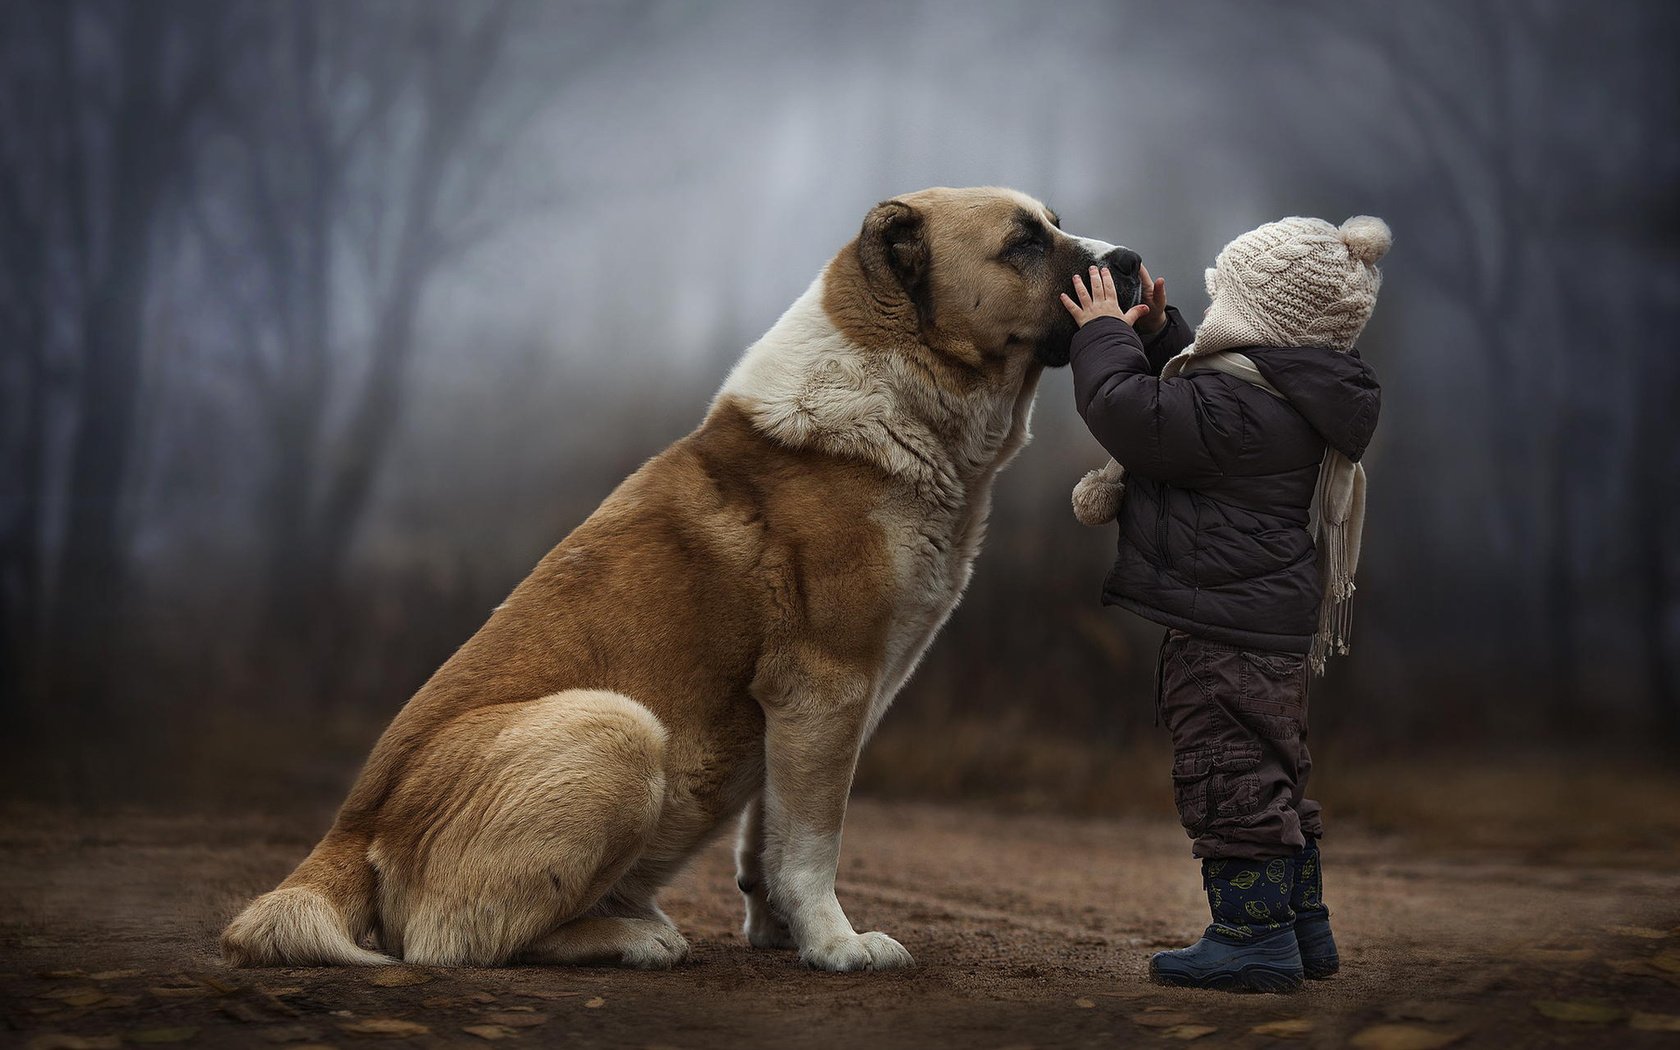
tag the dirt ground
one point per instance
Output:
(1028, 931)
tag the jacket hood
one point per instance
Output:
(1335, 390)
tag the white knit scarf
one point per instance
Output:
(1336, 519)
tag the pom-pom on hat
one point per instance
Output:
(1295, 282)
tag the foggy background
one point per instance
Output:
(321, 322)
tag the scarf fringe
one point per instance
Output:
(1336, 520)
(1335, 611)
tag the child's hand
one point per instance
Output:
(1154, 297)
(1100, 301)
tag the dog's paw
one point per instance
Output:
(765, 929)
(855, 951)
(658, 948)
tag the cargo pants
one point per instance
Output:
(1238, 719)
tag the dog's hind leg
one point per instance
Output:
(525, 816)
(624, 928)
(611, 940)
(763, 927)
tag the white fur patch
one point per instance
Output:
(807, 385)
(1095, 247)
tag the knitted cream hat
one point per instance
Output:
(1295, 282)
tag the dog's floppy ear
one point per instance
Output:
(893, 248)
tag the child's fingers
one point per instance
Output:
(1079, 289)
(1109, 292)
(1071, 306)
(1133, 315)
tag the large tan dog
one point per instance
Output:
(719, 638)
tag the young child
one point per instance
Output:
(1239, 531)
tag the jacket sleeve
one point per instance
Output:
(1151, 426)
(1166, 344)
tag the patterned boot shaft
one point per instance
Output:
(1250, 946)
(1308, 895)
(1249, 898)
(1319, 957)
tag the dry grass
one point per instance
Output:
(1587, 807)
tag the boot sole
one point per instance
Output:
(1248, 979)
(1319, 973)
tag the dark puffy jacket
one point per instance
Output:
(1219, 477)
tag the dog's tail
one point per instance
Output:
(316, 916)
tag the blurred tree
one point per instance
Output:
(101, 116)
(366, 141)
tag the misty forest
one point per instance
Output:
(322, 321)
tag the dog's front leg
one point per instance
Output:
(811, 746)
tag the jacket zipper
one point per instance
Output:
(1161, 531)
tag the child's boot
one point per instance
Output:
(1312, 918)
(1250, 946)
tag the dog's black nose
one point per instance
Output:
(1123, 261)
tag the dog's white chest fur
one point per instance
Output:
(806, 384)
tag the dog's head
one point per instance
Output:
(976, 273)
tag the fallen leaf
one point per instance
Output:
(220, 985)
(1655, 1022)
(81, 998)
(1578, 1012)
(1288, 1028)
(385, 1027)
(1669, 961)
(1557, 955)
(399, 976)
(75, 1042)
(435, 1002)
(195, 991)
(162, 1035)
(1404, 1037)
(245, 1013)
(543, 993)
(1189, 1031)
(290, 989)
(1085, 1004)
(1645, 932)
(1636, 967)
(1157, 1019)
(274, 1004)
(111, 1002)
(491, 1032)
(595, 1003)
(114, 975)
(1425, 1010)
(513, 1020)
(289, 1033)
